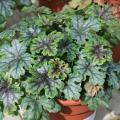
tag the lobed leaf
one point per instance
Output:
(46, 44)
(37, 109)
(15, 59)
(98, 50)
(72, 91)
(103, 13)
(93, 102)
(9, 93)
(58, 69)
(68, 48)
(113, 71)
(81, 29)
(86, 68)
(25, 2)
(73, 88)
(5, 7)
(41, 81)
(1, 115)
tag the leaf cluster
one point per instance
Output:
(49, 56)
(8, 6)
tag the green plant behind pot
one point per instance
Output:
(8, 6)
(49, 56)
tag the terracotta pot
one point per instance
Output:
(71, 110)
(110, 2)
(116, 53)
(54, 5)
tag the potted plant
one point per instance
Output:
(57, 63)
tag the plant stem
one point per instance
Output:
(21, 118)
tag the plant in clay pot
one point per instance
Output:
(57, 63)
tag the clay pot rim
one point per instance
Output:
(69, 102)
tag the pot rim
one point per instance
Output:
(69, 102)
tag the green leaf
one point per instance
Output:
(41, 81)
(2, 22)
(72, 91)
(5, 7)
(2, 25)
(94, 102)
(45, 21)
(28, 32)
(9, 93)
(15, 59)
(114, 30)
(1, 116)
(67, 11)
(44, 116)
(113, 67)
(56, 109)
(8, 34)
(103, 98)
(113, 70)
(81, 29)
(68, 48)
(86, 68)
(75, 77)
(37, 109)
(40, 10)
(104, 12)
(73, 88)
(98, 50)
(2, 19)
(50, 105)
(65, 14)
(113, 81)
(47, 44)
(58, 69)
(25, 2)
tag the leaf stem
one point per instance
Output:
(21, 118)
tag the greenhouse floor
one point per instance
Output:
(114, 104)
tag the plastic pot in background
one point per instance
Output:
(54, 5)
(116, 53)
(72, 110)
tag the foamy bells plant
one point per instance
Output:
(50, 56)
